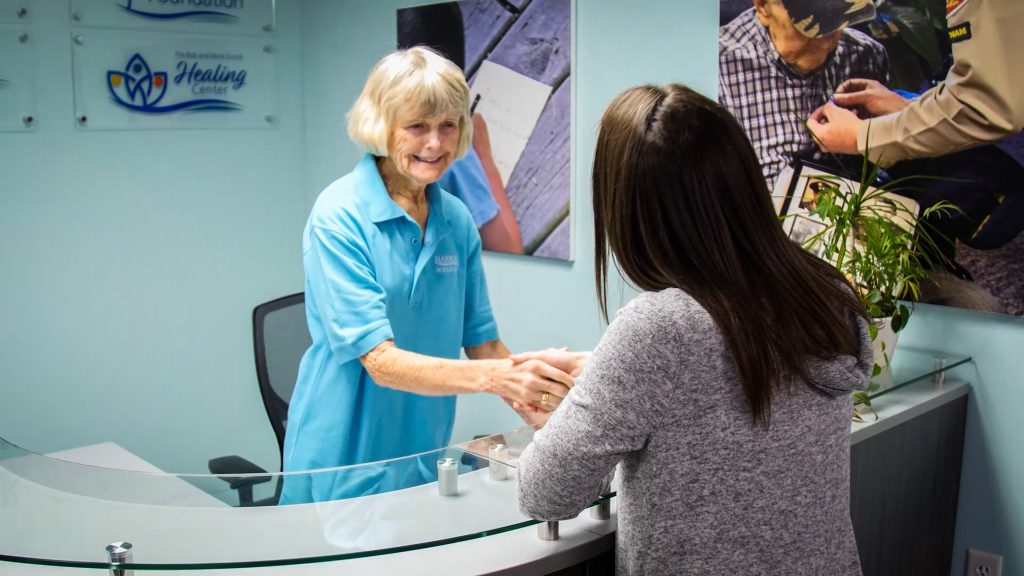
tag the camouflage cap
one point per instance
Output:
(816, 18)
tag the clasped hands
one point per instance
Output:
(835, 124)
(537, 382)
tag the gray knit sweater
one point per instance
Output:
(703, 491)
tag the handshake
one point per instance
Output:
(535, 383)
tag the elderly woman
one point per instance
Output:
(723, 389)
(394, 287)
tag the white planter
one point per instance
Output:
(883, 346)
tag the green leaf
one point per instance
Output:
(899, 318)
(872, 330)
(876, 370)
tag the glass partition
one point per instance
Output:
(66, 514)
(61, 513)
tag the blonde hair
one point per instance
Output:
(415, 82)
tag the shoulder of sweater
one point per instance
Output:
(669, 315)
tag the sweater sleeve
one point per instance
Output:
(609, 413)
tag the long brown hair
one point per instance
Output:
(680, 202)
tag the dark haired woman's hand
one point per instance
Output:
(571, 363)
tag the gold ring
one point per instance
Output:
(544, 397)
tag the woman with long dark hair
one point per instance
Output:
(724, 387)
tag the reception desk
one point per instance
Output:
(60, 515)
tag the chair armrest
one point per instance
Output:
(237, 465)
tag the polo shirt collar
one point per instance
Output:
(380, 206)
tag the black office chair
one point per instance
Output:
(280, 338)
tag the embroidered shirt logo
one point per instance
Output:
(446, 264)
(960, 33)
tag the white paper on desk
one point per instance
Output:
(511, 104)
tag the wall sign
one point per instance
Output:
(138, 80)
(16, 90)
(222, 16)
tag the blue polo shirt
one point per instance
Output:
(370, 277)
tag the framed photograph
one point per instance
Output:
(806, 183)
(517, 57)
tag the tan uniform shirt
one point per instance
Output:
(982, 98)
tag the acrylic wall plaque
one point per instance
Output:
(203, 16)
(131, 80)
(17, 95)
(15, 11)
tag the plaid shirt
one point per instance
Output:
(771, 100)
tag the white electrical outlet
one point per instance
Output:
(983, 564)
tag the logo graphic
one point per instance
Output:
(212, 15)
(140, 89)
(446, 264)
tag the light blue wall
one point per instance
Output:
(129, 265)
(991, 512)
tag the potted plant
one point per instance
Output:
(878, 240)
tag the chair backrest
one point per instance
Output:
(280, 337)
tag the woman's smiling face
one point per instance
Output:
(421, 149)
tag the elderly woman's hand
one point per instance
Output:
(531, 383)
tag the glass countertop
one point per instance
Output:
(66, 514)
(61, 513)
(912, 365)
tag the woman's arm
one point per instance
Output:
(524, 383)
(610, 414)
